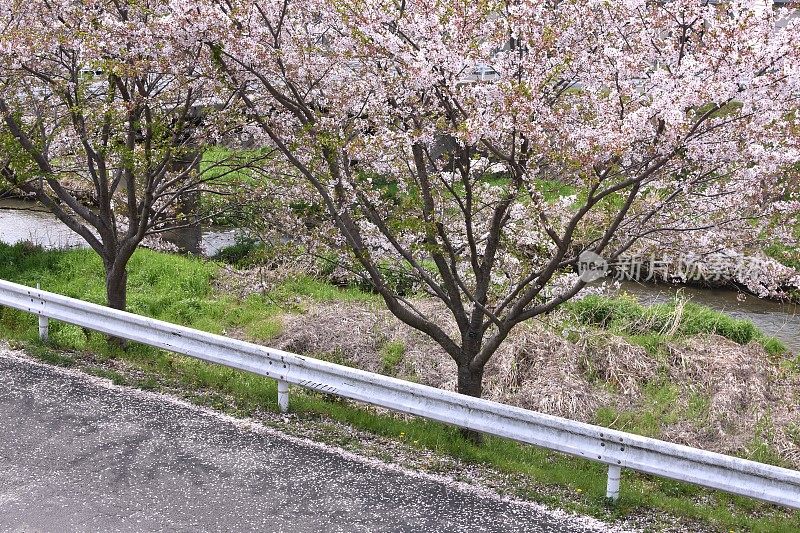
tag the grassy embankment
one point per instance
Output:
(648, 326)
(181, 290)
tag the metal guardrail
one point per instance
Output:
(615, 448)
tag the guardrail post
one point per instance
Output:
(44, 326)
(612, 489)
(283, 396)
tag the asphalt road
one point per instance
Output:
(78, 454)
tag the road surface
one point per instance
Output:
(79, 454)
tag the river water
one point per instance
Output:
(23, 221)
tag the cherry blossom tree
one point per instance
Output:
(99, 116)
(483, 147)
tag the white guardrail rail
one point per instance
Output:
(615, 448)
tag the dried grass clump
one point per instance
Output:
(257, 280)
(357, 333)
(346, 329)
(750, 397)
(785, 437)
(535, 368)
(623, 366)
(540, 370)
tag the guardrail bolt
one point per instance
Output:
(283, 396)
(614, 475)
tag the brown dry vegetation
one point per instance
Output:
(752, 401)
(704, 391)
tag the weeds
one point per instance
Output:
(650, 326)
(391, 355)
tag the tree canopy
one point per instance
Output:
(482, 147)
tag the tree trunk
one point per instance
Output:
(470, 383)
(117, 288)
(117, 296)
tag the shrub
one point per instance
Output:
(242, 253)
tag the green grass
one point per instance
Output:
(553, 190)
(391, 355)
(243, 253)
(650, 326)
(167, 287)
(320, 291)
(660, 408)
(51, 356)
(180, 289)
(232, 167)
(226, 171)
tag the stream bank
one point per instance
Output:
(25, 221)
(22, 220)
